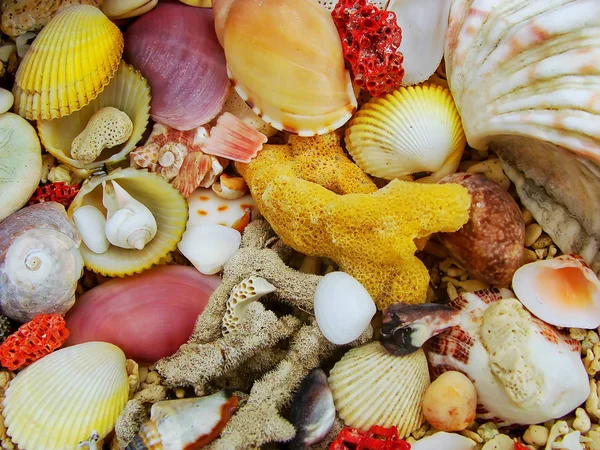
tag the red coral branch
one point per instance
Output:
(377, 438)
(54, 192)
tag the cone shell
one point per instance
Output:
(372, 387)
(128, 92)
(61, 399)
(296, 81)
(69, 63)
(167, 205)
(411, 130)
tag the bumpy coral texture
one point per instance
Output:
(57, 192)
(370, 40)
(370, 236)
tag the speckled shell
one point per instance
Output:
(40, 262)
(206, 207)
(372, 387)
(167, 205)
(491, 244)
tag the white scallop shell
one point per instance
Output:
(62, 398)
(244, 293)
(372, 387)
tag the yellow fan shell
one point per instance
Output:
(129, 92)
(372, 387)
(61, 399)
(167, 205)
(285, 59)
(409, 131)
(69, 63)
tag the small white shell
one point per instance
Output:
(91, 224)
(6, 100)
(343, 308)
(209, 247)
(444, 441)
(246, 292)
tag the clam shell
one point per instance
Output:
(267, 53)
(372, 387)
(411, 130)
(167, 205)
(129, 92)
(70, 62)
(124, 9)
(61, 399)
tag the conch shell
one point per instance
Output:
(268, 49)
(40, 262)
(525, 81)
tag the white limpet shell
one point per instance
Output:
(372, 387)
(207, 207)
(6, 100)
(60, 400)
(91, 225)
(343, 308)
(563, 291)
(209, 246)
(525, 371)
(423, 24)
(244, 293)
(444, 441)
(129, 223)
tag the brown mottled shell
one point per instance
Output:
(490, 245)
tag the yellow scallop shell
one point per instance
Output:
(129, 92)
(167, 205)
(372, 387)
(69, 63)
(409, 131)
(61, 399)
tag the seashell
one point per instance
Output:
(208, 247)
(198, 3)
(490, 245)
(40, 262)
(128, 92)
(70, 79)
(445, 441)
(343, 308)
(498, 344)
(198, 170)
(412, 130)
(164, 202)
(313, 411)
(450, 402)
(244, 293)
(176, 49)
(240, 109)
(187, 423)
(405, 327)
(527, 91)
(129, 223)
(280, 50)
(58, 401)
(91, 224)
(130, 312)
(206, 207)
(424, 25)
(372, 387)
(6, 100)
(120, 9)
(232, 139)
(230, 188)
(563, 291)
(20, 163)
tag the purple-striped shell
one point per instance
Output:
(525, 371)
(176, 49)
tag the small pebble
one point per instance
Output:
(527, 217)
(532, 233)
(180, 393)
(536, 435)
(542, 242)
(500, 442)
(450, 401)
(6, 100)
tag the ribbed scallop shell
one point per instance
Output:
(128, 92)
(166, 204)
(411, 130)
(372, 387)
(69, 63)
(59, 400)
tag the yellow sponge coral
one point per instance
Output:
(370, 234)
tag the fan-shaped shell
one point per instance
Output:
(166, 204)
(296, 81)
(372, 387)
(61, 399)
(69, 63)
(410, 130)
(128, 92)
